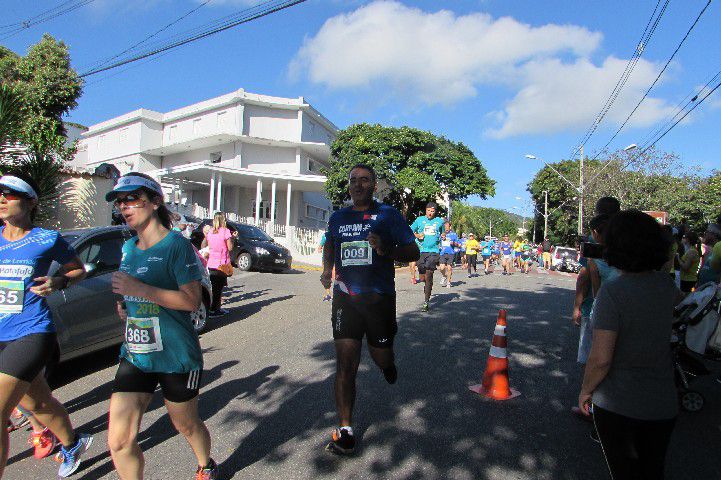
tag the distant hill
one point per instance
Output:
(517, 219)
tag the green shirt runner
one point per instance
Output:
(158, 339)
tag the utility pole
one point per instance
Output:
(580, 196)
(545, 216)
(490, 227)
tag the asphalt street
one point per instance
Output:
(268, 392)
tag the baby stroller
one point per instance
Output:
(697, 320)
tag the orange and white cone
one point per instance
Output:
(495, 383)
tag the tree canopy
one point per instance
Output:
(48, 88)
(483, 221)
(413, 166)
(651, 181)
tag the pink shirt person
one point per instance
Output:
(218, 245)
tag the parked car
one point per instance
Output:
(85, 313)
(253, 249)
(559, 254)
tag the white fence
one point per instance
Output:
(303, 240)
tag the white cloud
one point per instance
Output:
(430, 58)
(558, 96)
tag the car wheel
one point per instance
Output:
(200, 316)
(244, 261)
(692, 401)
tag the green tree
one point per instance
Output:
(649, 181)
(413, 166)
(482, 221)
(49, 88)
(10, 118)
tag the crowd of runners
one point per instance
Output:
(632, 399)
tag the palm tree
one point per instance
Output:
(10, 120)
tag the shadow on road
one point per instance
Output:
(430, 425)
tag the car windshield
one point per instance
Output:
(252, 233)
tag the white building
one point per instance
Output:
(255, 157)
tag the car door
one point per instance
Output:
(88, 312)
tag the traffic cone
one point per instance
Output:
(495, 379)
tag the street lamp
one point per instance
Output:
(580, 188)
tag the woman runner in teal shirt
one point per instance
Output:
(159, 280)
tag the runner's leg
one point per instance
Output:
(348, 353)
(11, 391)
(48, 410)
(383, 357)
(126, 412)
(428, 286)
(186, 421)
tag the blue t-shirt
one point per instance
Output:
(358, 268)
(447, 247)
(159, 339)
(22, 312)
(506, 248)
(431, 228)
(486, 247)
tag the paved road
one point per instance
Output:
(268, 392)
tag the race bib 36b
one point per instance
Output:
(142, 335)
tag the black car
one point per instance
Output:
(253, 247)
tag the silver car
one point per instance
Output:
(85, 313)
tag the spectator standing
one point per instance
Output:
(689, 262)
(546, 252)
(629, 376)
(219, 240)
(711, 261)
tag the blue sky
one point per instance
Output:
(505, 78)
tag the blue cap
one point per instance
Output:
(131, 183)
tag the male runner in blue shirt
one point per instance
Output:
(363, 241)
(428, 230)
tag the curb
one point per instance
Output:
(303, 266)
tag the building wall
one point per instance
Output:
(314, 131)
(212, 122)
(119, 142)
(275, 123)
(264, 158)
(227, 151)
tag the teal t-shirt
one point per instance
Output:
(158, 339)
(432, 229)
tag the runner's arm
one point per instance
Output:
(326, 278)
(187, 298)
(594, 276)
(70, 273)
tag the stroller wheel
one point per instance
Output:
(692, 401)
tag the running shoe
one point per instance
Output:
(209, 472)
(391, 374)
(342, 443)
(17, 420)
(44, 443)
(425, 307)
(327, 298)
(216, 313)
(70, 458)
(448, 285)
(414, 281)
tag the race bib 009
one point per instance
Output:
(142, 335)
(356, 253)
(12, 294)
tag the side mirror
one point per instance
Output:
(90, 268)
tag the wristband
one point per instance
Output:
(65, 281)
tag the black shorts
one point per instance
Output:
(370, 314)
(26, 357)
(176, 387)
(427, 261)
(447, 258)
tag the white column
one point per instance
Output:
(211, 200)
(289, 194)
(219, 197)
(258, 198)
(272, 203)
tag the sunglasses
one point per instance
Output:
(12, 195)
(132, 200)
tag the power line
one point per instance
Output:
(672, 123)
(45, 17)
(248, 17)
(653, 22)
(683, 40)
(46, 12)
(135, 45)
